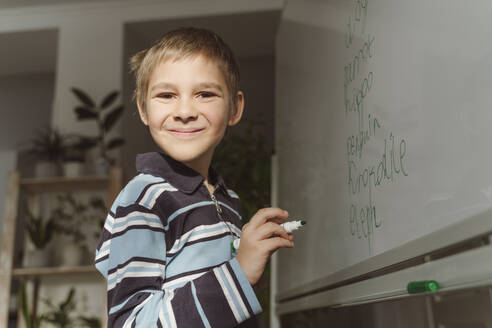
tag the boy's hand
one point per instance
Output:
(260, 237)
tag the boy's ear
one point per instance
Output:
(237, 112)
(143, 114)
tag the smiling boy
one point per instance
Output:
(188, 110)
(165, 247)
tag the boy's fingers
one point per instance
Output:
(271, 229)
(265, 214)
(277, 220)
(272, 244)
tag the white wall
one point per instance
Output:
(25, 106)
(89, 58)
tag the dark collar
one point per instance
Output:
(176, 173)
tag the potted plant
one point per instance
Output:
(48, 148)
(76, 220)
(61, 315)
(31, 320)
(105, 119)
(40, 234)
(74, 156)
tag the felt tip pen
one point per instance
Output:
(288, 226)
(415, 287)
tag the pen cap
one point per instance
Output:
(423, 286)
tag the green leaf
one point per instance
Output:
(48, 144)
(50, 229)
(37, 322)
(68, 303)
(109, 99)
(84, 113)
(112, 117)
(39, 234)
(116, 142)
(48, 303)
(23, 304)
(90, 322)
(86, 143)
(83, 97)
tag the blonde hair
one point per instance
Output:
(180, 44)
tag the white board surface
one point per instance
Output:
(383, 126)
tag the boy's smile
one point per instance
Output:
(188, 109)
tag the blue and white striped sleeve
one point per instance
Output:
(131, 255)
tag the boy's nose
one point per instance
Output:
(185, 112)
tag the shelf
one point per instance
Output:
(109, 184)
(54, 271)
(64, 184)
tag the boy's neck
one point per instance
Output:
(209, 186)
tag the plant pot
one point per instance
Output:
(73, 169)
(46, 169)
(72, 255)
(36, 258)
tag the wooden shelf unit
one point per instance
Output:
(53, 271)
(33, 187)
(60, 184)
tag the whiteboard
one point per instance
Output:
(383, 129)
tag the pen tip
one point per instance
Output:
(303, 222)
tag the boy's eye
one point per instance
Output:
(165, 95)
(206, 94)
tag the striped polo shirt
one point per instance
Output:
(165, 251)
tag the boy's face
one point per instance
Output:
(189, 108)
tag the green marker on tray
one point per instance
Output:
(415, 287)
